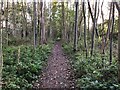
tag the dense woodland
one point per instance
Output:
(29, 30)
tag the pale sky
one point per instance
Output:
(105, 6)
(54, 0)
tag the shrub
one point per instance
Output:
(20, 72)
(93, 72)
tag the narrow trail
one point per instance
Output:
(58, 73)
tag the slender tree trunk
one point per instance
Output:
(108, 30)
(98, 12)
(69, 26)
(6, 23)
(26, 27)
(80, 23)
(94, 28)
(39, 28)
(1, 55)
(63, 22)
(76, 26)
(34, 28)
(50, 28)
(24, 21)
(13, 12)
(91, 14)
(111, 34)
(85, 42)
(102, 28)
(50, 20)
(45, 23)
(42, 23)
(88, 23)
(118, 8)
(66, 24)
(73, 24)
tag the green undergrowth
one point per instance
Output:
(93, 72)
(23, 65)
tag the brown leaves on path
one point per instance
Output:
(57, 74)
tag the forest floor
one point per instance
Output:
(57, 73)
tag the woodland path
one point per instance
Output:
(57, 73)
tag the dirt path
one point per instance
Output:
(57, 74)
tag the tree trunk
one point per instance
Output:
(50, 20)
(118, 8)
(111, 34)
(89, 7)
(6, 23)
(108, 30)
(34, 28)
(80, 23)
(24, 23)
(88, 23)
(76, 26)
(63, 22)
(1, 55)
(94, 28)
(13, 12)
(102, 28)
(67, 24)
(42, 23)
(38, 21)
(119, 49)
(85, 42)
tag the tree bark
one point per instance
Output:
(76, 26)
(13, 12)
(34, 28)
(89, 7)
(102, 28)
(1, 55)
(88, 23)
(109, 23)
(84, 15)
(111, 39)
(39, 28)
(42, 23)
(50, 16)
(119, 48)
(63, 22)
(6, 23)
(118, 8)
(24, 23)
(94, 28)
